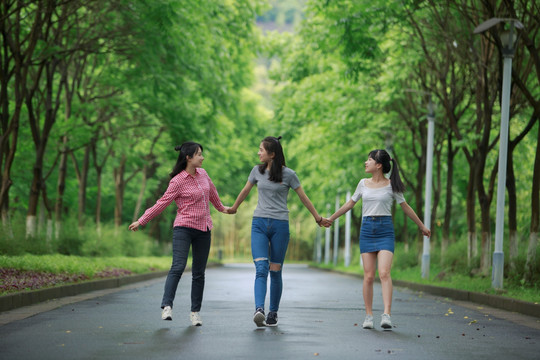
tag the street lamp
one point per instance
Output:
(429, 183)
(508, 40)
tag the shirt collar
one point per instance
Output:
(184, 174)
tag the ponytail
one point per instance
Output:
(395, 179)
(187, 149)
(382, 157)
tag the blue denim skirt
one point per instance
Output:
(376, 234)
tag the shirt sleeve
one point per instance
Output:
(214, 196)
(294, 182)
(358, 192)
(398, 197)
(160, 205)
(252, 178)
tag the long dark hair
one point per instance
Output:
(189, 148)
(382, 157)
(272, 145)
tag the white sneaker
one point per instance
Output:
(166, 313)
(368, 322)
(386, 323)
(195, 319)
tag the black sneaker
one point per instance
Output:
(271, 319)
(258, 317)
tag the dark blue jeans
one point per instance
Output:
(183, 237)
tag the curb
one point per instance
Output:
(17, 300)
(499, 302)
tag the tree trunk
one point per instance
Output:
(40, 134)
(448, 200)
(119, 187)
(61, 187)
(33, 198)
(535, 216)
(17, 65)
(83, 184)
(472, 248)
(98, 202)
(513, 238)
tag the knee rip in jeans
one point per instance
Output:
(275, 267)
(260, 259)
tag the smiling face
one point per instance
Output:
(197, 159)
(264, 155)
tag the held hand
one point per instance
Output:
(134, 226)
(229, 210)
(425, 231)
(326, 222)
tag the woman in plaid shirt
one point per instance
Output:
(191, 189)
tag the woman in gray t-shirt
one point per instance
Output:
(270, 225)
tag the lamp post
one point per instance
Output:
(348, 233)
(336, 233)
(429, 182)
(508, 40)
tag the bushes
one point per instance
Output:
(86, 241)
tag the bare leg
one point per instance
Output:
(385, 264)
(369, 260)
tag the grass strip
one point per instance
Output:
(477, 284)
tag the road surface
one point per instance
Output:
(320, 317)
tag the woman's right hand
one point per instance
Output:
(134, 226)
(326, 222)
(425, 231)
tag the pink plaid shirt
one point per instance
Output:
(191, 194)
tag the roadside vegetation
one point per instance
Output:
(452, 273)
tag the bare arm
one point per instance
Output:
(342, 210)
(241, 197)
(307, 203)
(411, 214)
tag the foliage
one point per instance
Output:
(93, 106)
(454, 273)
(87, 241)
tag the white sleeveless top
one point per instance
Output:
(376, 201)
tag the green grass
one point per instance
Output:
(83, 265)
(89, 266)
(454, 281)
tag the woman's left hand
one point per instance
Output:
(425, 231)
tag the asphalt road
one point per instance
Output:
(320, 318)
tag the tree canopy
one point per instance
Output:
(95, 95)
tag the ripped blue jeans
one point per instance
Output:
(269, 241)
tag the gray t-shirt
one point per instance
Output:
(272, 202)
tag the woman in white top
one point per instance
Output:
(377, 232)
